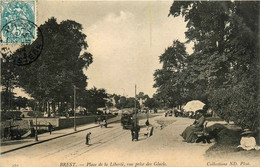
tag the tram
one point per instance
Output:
(127, 119)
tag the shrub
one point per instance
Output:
(235, 104)
(10, 115)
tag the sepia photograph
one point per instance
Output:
(125, 83)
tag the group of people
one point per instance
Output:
(101, 119)
(247, 142)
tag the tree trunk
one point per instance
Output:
(45, 108)
(53, 107)
(48, 107)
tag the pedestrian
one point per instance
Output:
(88, 138)
(132, 132)
(147, 124)
(137, 130)
(105, 123)
(50, 127)
(99, 120)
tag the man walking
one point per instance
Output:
(50, 127)
(88, 138)
(133, 131)
(137, 130)
(147, 124)
(106, 123)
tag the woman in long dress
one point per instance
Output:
(188, 134)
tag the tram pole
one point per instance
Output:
(135, 108)
(75, 108)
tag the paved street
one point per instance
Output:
(113, 145)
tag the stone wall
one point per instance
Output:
(23, 126)
(44, 121)
(69, 122)
(58, 123)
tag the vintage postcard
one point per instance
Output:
(129, 83)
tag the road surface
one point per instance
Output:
(113, 146)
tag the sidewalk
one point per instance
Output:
(12, 145)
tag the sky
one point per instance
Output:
(125, 38)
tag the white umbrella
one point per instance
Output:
(194, 105)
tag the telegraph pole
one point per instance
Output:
(75, 108)
(36, 133)
(135, 109)
(135, 96)
(36, 129)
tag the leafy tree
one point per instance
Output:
(132, 103)
(117, 98)
(169, 79)
(109, 104)
(94, 98)
(8, 79)
(141, 97)
(51, 78)
(7, 115)
(224, 66)
(21, 102)
(151, 103)
(124, 102)
(7, 101)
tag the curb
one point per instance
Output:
(38, 142)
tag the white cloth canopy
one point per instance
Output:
(193, 105)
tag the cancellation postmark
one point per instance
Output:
(19, 32)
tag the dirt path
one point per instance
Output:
(165, 147)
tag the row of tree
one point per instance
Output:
(142, 100)
(223, 70)
(51, 78)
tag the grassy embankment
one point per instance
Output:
(227, 138)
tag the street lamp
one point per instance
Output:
(75, 108)
(135, 109)
(36, 134)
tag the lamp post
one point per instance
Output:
(75, 108)
(148, 115)
(36, 134)
(135, 109)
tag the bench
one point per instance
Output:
(202, 135)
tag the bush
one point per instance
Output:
(229, 137)
(10, 115)
(236, 104)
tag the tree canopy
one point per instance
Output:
(223, 70)
(59, 68)
(169, 79)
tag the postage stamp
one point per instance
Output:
(17, 32)
(21, 38)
